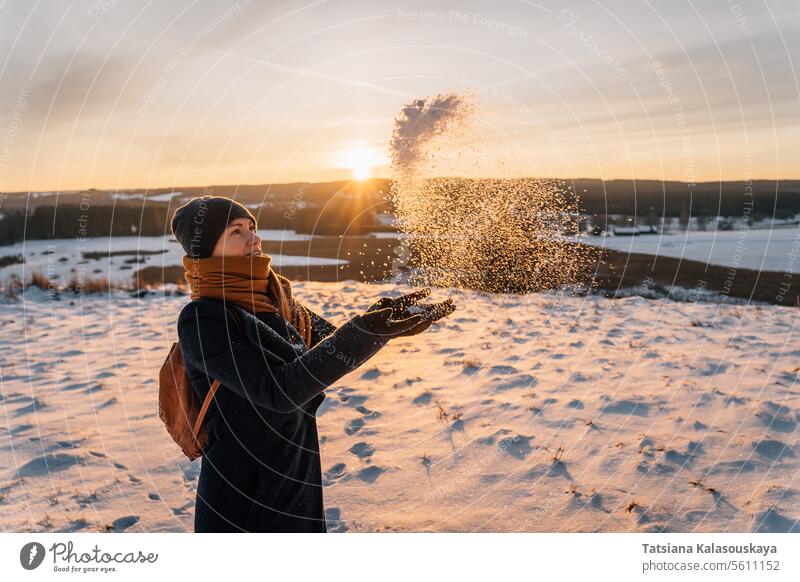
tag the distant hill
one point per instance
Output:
(331, 208)
(296, 194)
(597, 196)
(631, 197)
(349, 207)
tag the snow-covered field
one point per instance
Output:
(516, 413)
(61, 258)
(758, 249)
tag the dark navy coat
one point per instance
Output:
(261, 468)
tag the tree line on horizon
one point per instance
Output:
(71, 221)
(343, 208)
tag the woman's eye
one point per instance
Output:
(236, 231)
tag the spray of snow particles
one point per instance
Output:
(502, 235)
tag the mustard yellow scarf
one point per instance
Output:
(249, 282)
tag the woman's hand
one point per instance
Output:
(402, 316)
(398, 305)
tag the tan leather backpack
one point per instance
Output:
(178, 404)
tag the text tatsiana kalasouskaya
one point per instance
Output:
(709, 549)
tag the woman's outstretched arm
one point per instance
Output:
(270, 382)
(320, 327)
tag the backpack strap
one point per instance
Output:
(214, 384)
(204, 408)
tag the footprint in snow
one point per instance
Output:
(362, 450)
(47, 464)
(354, 426)
(370, 474)
(424, 398)
(123, 523)
(372, 374)
(368, 414)
(335, 473)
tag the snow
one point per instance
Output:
(759, 249)
(153, 198)
(389, 235)
(67, 259)
(166, 197)
(516, 413)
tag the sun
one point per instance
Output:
(361, 161)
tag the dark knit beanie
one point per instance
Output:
(199, 223)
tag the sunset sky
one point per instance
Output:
(121, 94)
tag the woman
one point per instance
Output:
(274, 358)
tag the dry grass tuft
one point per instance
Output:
(631, 506)
(559, 454)
(89, 285)
(40, 280)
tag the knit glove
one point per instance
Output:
(403, 316)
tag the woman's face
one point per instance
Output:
(239, 239)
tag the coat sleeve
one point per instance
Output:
(209, 343)
(320, 327)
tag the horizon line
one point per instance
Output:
(384, 179)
